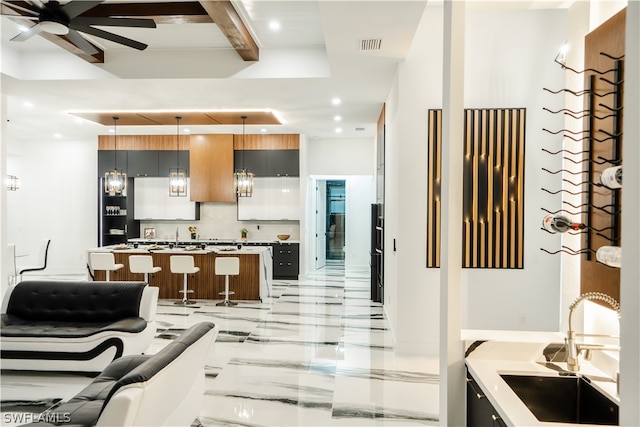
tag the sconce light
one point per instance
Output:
(561, 57)
(115, 181)
(12, 182)
(177, 176)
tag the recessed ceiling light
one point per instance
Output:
(337, 118)
(186, 130)
(263, 130)
(57, 135)
(336, 101)
(27, 104)
(274, 26)
(338, 130)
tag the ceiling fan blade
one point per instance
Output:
(109, 36)
(15, 7)
(25, 35)
(115, 22)
(75, 8)
(36, 3)
(80, 41)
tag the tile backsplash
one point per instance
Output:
(219, 221)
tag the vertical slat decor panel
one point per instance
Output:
(433, 188)
(493, 188)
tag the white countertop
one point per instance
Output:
(143, 249)
(492, 358)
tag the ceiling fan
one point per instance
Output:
(65, 20)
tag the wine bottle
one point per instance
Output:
(610, 255)
(612, 177)
(560, 224)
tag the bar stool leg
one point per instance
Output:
(185, 293)
(226, 302)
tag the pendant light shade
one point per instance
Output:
(115, 181)
(243, 179)
(177, 176)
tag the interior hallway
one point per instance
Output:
(318, 352)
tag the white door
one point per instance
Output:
(321, 223)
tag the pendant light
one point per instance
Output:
(243, 179)
(177, 176)
(115, 181)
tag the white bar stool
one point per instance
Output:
(104, 261)
(11, 261)
(143, 264)
(227, 266)
(183, 264)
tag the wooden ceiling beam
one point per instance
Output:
(162, 13)
(220, 12)
(228, 20)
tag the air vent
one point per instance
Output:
(370, 44)
(359, 129)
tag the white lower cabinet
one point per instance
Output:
(152, 201)
(273, 199)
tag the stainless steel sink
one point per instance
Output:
(563, 399)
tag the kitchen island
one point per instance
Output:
(253, 282)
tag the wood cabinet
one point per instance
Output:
(211, 165)
(108, 159)
(274, 199)
(480, 411)
(169, 159)
(286, 264)
(265, 163)
(142, 163)
(116, 221)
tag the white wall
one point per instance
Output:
(508, 62)
(57, 200)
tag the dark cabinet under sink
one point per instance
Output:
(480, 411)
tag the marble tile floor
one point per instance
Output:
(317, 353)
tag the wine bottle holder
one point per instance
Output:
(602, 125)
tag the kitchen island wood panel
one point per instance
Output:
(211, 164)
(205, 284)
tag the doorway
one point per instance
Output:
(335, 221)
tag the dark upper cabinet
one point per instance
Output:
(283, 163)
(168, 159)
(264, 163)
(143, 163)
(108, 159)
(254, 161)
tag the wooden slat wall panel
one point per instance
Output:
(267, 142)
(143, 142)
(433, 188)
(493, 189)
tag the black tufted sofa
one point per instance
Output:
(75, 326)
(164, 389)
